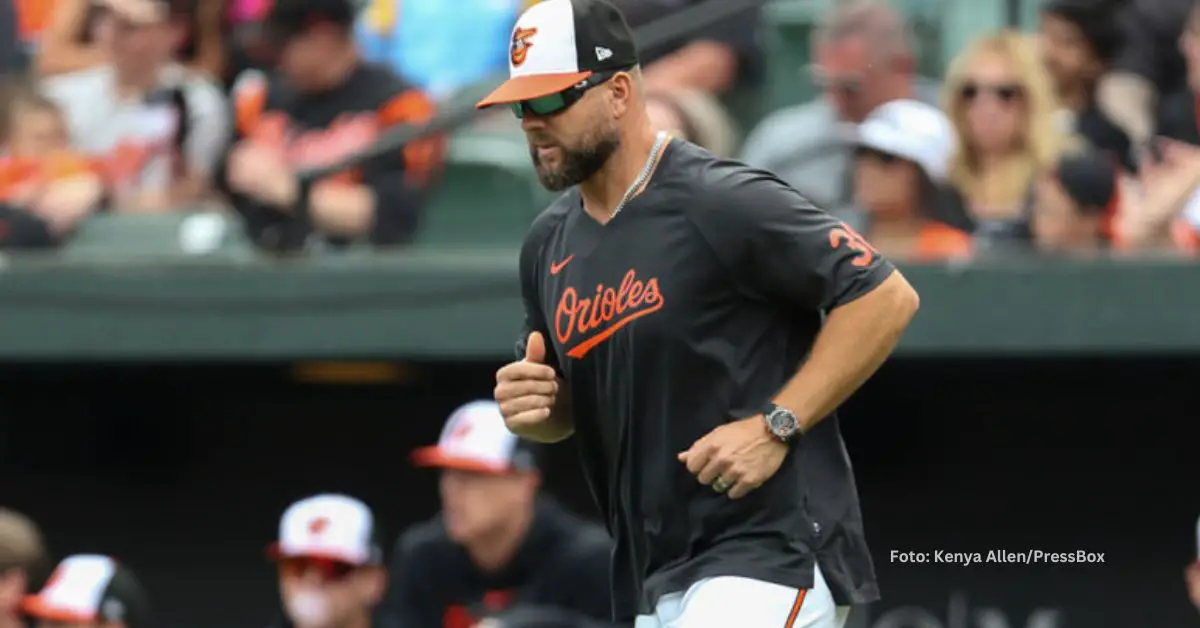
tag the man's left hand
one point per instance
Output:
(736, 457)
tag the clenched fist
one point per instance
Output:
(528, 393)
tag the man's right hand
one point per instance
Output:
(527, 391)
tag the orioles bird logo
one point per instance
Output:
(521, 44)
(318, 525)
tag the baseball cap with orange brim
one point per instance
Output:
(90, 589)
(559, 48)
(476, 439)
(328, 527)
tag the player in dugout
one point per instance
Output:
(497, 550)
(331, 566)
(89, 590)
(322, 104)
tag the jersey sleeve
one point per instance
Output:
(529, 266)
(400, 180)
(778, 245)
(423, 158)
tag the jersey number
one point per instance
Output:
(844, 236)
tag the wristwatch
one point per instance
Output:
(782, 423)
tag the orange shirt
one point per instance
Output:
(939, 242)
(33, 16)
(17, 171)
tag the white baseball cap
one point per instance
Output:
(912, 130)
(556, 44)
(476, 439)
(89, 588)
(332, 527)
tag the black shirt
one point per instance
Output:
(562, 563)
(1178, 115)
(691, 308)
(1104, 136)
(321, 128)
(1150, 32)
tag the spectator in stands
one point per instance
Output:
(1074, 201)
(863, 60)
(46, 189)
(74, 39)
(247, 47)
(283, 130)
(440, 46)
(331, 565)
(691, 116)
(1180, 120)
(713, 60)
(1147, 65)
(156, 127)
(1079, 38)
(495, 543)
(1000, 98)
(1179, 117)
(59, 34)
(901, 154)
(22, 559)
(1162, 210)
(88, 590)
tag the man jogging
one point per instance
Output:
(696, 323)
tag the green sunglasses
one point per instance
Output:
(557, 102)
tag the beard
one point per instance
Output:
(578, 163)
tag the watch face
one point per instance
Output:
(782, 422)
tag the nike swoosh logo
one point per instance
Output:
(556, 267)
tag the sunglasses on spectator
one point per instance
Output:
(848, 86)
(1005, 93)
(329, 570)
(558, 102)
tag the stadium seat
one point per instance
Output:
(488, 194)
(172, 236)
(787, 39)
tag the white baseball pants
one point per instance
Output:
(736, 602)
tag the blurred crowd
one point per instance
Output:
(1080, 137)
(499, 554)
(1077, 138)
(155, 106)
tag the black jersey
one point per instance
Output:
(562, 564)
(689, 309)
(316, 129)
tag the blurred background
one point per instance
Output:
(190, 341)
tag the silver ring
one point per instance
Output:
(720, 485)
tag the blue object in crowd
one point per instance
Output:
(439, 45)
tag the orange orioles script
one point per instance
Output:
(585, 322)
